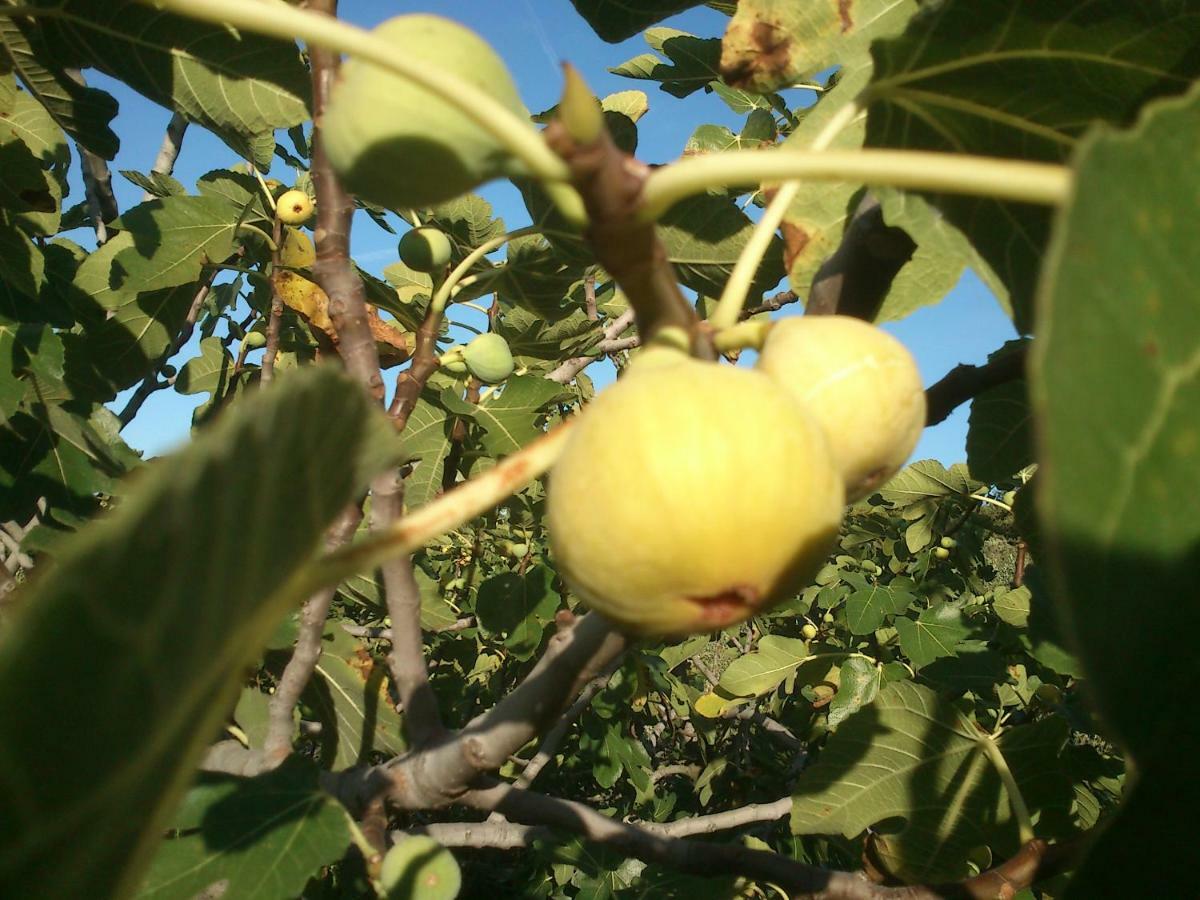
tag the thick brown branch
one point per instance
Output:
(412, 380)
(610, 183)
(333, 270)
(440, 774)
(857, 277)
(964, 382)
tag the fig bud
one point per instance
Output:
(297, 251)
(395, 143)
(425, 249)
(294, 207)
(488, 358)
(860, 383)
(661, 513)
(420, 867)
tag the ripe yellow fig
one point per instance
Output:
(941, 552)
(809, 631)
(863, 386)
(400, 146)
(425, 249)
(488, 358)
(949, 543)
(419, 868)
(691, 496)
(294, 207)
(297, 250)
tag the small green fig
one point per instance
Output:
(425, 249)
(828, 618)
(297, 251)
(809, 631)
(254, 339)
(949, 543)
(863, 386)
(661, 514)
(294, 207)
(488, 358)
(395, 143)
(941, 552)
(419, 868)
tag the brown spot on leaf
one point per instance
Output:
(763, 62)
(795, 239)
(844, 7)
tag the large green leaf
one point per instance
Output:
(510, 421)
(615, 20)
(762, 670)
(172, 239)
(520, 607)
(867, 608)
(1115, 379)
(239, 84)
(426, 441)
(1024, 79)
(83, 112)
(259, 838)
(693, 63)
(1000, 429)
(153, 613)
(910, 755)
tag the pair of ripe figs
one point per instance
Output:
(690, 495)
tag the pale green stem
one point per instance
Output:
(244, 226)
(954, 173)
(741, 335)
(442, 294)
(985, 499)
(733, 297)
(290, 23)
(1015, 799)
(446, 513)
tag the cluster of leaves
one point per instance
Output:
(938, 711)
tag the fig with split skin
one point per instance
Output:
(863, 386)
(662, 513)
(294, 207)
(396, 144)
(425, 249)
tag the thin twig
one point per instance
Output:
(306, 654)
(610, 343)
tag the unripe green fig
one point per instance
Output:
(294, 207)
(860, 383)
(941, 552)
(297, 251)
(396, 144)
(425, 249)
(809, 631)
(828, 618)
(949, 543)
(419, 868)
(488, 358)
(661, 513)
(254, 339)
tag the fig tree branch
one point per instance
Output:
(305, 655)
(438, 775)
(964, 382)
(856, 278)
(164, 163)
(952, 173)
(611, 342)
(611, 183)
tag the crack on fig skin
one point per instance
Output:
(844, 7)
(729, 606)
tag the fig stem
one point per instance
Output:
(254, 229)
(288, 23)
(733, 297)
(957, 173)
(442, 295)
(1015, 798)
(450, 511)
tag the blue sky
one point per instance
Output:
(534, 36)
